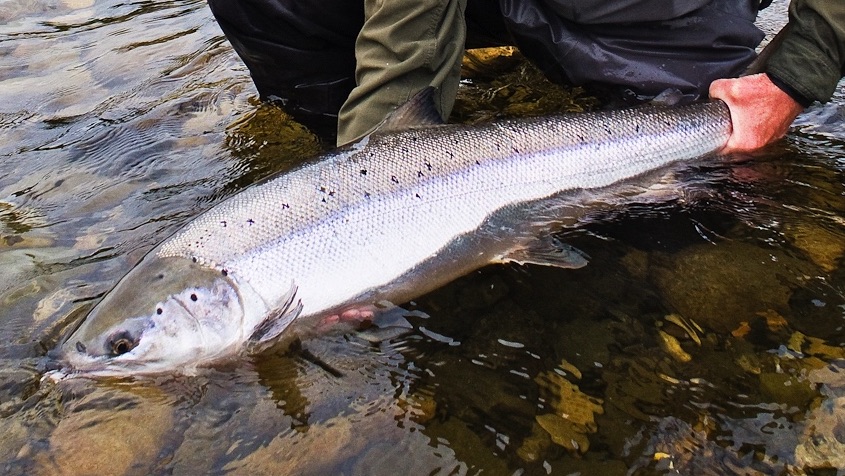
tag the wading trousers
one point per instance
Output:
(348, 63)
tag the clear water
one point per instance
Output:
(705, 337)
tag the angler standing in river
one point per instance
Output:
(349, 63)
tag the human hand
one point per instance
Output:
(760, 111)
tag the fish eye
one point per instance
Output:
(120, 343)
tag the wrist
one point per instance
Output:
(789, 90)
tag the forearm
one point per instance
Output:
(810, 62)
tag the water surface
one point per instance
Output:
(705, 336)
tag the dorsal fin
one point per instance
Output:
(419, 111)
(668, 97)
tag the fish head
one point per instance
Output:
(167, 314)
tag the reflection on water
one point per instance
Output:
(705, 336)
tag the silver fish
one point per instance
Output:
(407, 209)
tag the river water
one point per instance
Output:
(705, 336)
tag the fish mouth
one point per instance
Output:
(51, 364)
(90, 367)
(53, 360)
(56, 366)
(73, 361)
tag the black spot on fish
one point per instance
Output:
(580, 138)
(515, 150)
(160, 276)
(250, 221)
(366, 194)
(428, 165)
(394, 179)
(477, 162)
(80, 347)
(223, 223)
(194, 297)
(363, 171)
(323, 189)
(225, 272)
(331, 194)
(405, 150)
(637, 128)
(420, 173)
(418, 195)
(194, 259)
(285, 206)
(324, 200)
(159, 311)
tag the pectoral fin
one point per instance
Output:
(266, 333)
(547, 250)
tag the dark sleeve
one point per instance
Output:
(811, 60)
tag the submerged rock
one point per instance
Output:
(680, 448)
(573, 412)
(109, 431)
(821, 245)
(822, 442)
(721, 286)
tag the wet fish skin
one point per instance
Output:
(402, 212)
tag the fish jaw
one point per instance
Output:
(167, 314)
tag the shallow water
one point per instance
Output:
(705, 336)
